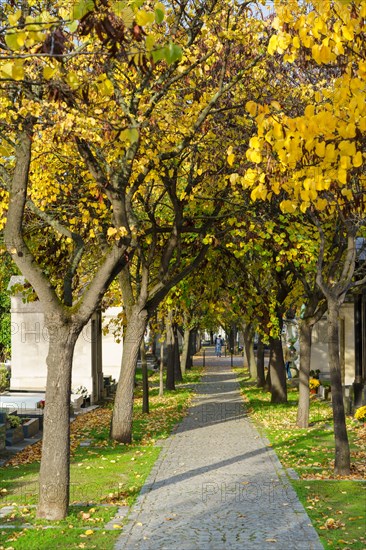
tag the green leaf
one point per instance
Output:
(173, 53)
(158, 54)
(81, 8)
(170, 53)
(159, 16)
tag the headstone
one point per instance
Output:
(29, 340)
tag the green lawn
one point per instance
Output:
(104, 475)
(337, 507)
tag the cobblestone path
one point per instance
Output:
(217, 485)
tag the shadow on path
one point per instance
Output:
(217, 485)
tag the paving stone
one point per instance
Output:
(217, 484)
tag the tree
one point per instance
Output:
(314, 159)
(172, 182)
(5, 323)
(43, 73)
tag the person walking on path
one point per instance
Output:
(217, 485)
(218, 345)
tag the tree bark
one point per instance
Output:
(185, 350)
(177, 368)
(342, 452)
(170, 372)
(278, 372)
(54, 476)
(260, 364)
(161, 370)
(121, 428)
(304, 374)
(145, 379)
(192, 350)
(248, 333)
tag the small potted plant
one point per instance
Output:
(360, 414)
(41, 404)
(313, 385)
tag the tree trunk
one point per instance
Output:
(54, 476)
(177, 369)
(267, 383)
(121, 428)
(145, 379)
(248, 333)
(278, 372)
(342, 451)
(260, 364)
(185, 350)
(192, 348)
(161, 370)
(304, 374)
(170, 374)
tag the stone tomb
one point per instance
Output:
(29, 342)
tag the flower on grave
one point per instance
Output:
(81, 390)
(314, 383)
(360, 414)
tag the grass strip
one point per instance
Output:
(335, 505)
(105, 475)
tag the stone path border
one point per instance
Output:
(217, 484)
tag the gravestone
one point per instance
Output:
(29, 344)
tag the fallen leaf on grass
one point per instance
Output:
(332, 524)
(87, 533)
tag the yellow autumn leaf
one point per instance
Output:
(48, 72)
(288, 206)
(347, 33)
(13, 18)
(144, 18)
(234, 178)
(255, 156)
(15, 40)
(111, 231)
(321, 204)
(73, 80)
(320, 149)
(342, 175)
(6, 70)
(254, 142)
(325, 54)
(230, 159)
(251, 108)
(18, 71)
(296, 42)
(130, 134)
(357, 159)
(273, 44)
(305, 193)
(330, 152)
(89, 532)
